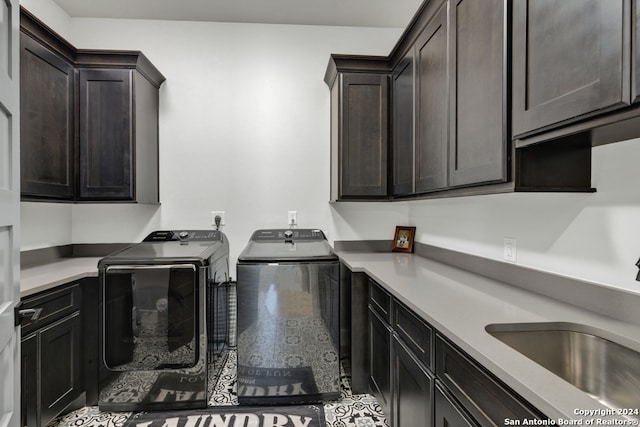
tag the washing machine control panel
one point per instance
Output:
(288, 234)
(183, 235)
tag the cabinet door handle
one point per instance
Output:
(29, 313)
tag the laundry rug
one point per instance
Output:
(258, 381)
(173, 387)
(233, 416)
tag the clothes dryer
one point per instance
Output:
(164, 319)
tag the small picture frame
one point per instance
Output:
(403, 239)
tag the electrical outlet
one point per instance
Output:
(510, 249)
(221, 214)
(292, 218)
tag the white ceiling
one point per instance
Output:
(358, 13)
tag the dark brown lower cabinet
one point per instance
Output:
(399, 357)
(29, 381)
(413, 389)
(486, 398)
(420, 378)
(354, 319)
(60, 366)
(92, 337)
(380, 379)
(448, 413)
(52, 369)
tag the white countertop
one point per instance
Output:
(460, 304)
(47, 276)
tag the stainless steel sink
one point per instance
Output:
(586, 357)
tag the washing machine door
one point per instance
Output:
(288, 333)
(150, 317)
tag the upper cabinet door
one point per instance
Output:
(431, 109)
(106, 134)
(635, 64)
(403, 129)
(478, 132)
(569, 61)
(46, 131)
(364, 141)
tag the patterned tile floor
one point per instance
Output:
(351, 410)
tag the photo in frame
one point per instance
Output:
(403, 239)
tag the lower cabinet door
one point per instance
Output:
(60, 366)
(448, 413)
(413, 389)
(380, 361)
(29, 381)
(482, 395)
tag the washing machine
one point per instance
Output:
(287, 318)
(164, 320)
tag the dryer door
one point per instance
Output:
(151, 317)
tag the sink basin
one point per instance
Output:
(586, 357)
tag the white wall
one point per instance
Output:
(595, 236)
(244, 127)
(45, 225)
(50, 13)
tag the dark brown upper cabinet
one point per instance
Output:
(359, 129)
(46, 126)
(89, 120)
(118, 125)
(462, 136)
(582, 88)
(402, 141)
(570, 61)
(432, 143)
(106, 137)
(508, 95)
(364, 135)
(635, 53)
(449, 97)
(479, 139)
